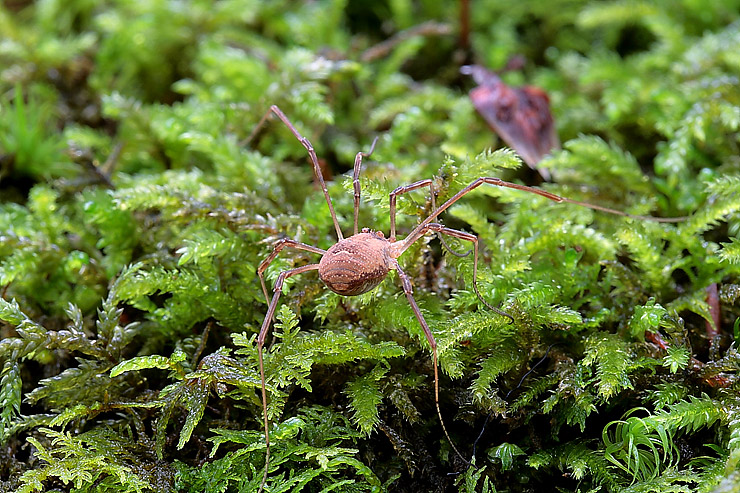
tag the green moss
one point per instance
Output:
(136, 207)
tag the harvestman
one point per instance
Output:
(357, 264)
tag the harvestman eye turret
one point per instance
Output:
(357, 264)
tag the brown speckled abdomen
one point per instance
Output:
(356, 264)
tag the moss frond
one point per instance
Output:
(97, 456)
(138, 199)
(365, 396)
(612, 359)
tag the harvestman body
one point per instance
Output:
(357, 264)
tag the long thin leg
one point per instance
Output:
(311, 154)
(279, 245)
(356, 179)
(407, 288)
(260, 344)
(405, 189)
(409, 188)
(473, 239)
(417, 232)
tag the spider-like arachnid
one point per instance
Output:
(358, 264)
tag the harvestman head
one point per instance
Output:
(358, 264)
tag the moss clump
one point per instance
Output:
(134, 212)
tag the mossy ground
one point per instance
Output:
(134, 212)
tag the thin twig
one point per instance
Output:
(380, 50)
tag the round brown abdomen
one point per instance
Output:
(356, 264)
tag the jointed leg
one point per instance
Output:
(409, 188)
(416, 233)
(473, 239)
(407, 288)
(356, 179)
(311, 154)
(260, 344)
(405, 189)
(279, 245)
